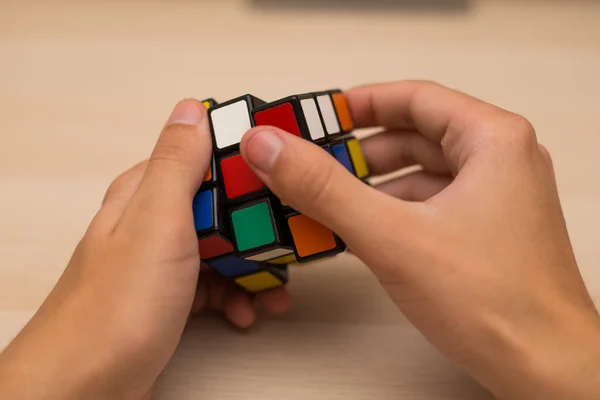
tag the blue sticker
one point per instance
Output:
(203, 210)
(232, 266)
(341, 154)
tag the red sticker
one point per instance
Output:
(214, 246)
(238, 178)
(281, 116)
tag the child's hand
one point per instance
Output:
(114, 319)
(479, 260)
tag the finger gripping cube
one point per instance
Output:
(245, 233)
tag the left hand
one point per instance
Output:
(115, 318)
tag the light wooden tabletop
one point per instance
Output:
(85, 87)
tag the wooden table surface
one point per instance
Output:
(86, 86)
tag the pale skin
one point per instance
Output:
(486, 271)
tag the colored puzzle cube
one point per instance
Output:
(298, 115)
(259, 231)
(211, 224)
(312, 240)
(244, 232)
(229, 121)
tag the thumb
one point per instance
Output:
(181, 156)
(313, 182)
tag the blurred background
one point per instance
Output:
(85, 87)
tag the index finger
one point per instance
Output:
(446, 116)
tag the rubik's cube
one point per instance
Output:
(244, 231)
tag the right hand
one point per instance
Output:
(473, 249)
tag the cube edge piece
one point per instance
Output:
(295, 101)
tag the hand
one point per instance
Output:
(114, 319)
(473, 248)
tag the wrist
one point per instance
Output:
(50, 360)
(554, 360)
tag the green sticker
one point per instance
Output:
(253, 227)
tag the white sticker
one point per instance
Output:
(311, 114)
(230, 123)
(270, 255)
(329, 116)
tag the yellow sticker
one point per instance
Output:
(290, 258)
(206, 104)
(258, 282)
(358, 158)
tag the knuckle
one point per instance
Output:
(123, 180)
(545, 155)
(511, 130)
(113, 188)
(522, 130)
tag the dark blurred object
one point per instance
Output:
(364, 5)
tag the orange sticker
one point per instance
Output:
(208, 176)
(310, 236)
(343, 112)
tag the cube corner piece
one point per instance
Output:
(270, 277)
(335, 113)
(230, 120)
(312, 240)
(211, 224)
(209, 103)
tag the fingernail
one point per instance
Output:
(186, 112)
(263, 149)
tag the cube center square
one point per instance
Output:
(239, 180)
(253, 226)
